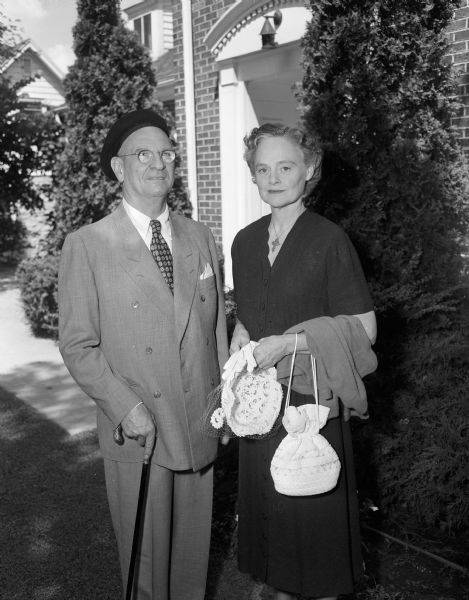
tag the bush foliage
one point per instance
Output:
(37, 278)
(27, 141)
(112, 75)
(379, 94)
(13, 239)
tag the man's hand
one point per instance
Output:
(138, 425)
(240, 337)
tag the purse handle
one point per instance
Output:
(315, 379)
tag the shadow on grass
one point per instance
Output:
(47, 386)
(224, 581)
(57, 543)
(56, 537)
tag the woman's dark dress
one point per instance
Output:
(304, 545)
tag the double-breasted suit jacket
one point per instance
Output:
(126, 339)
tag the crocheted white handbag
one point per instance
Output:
(253, 402)
(247, 402)
(304, 462)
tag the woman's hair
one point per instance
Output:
(309, 146)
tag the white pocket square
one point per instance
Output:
(207, 272)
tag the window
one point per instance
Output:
(138, 27)
(142, 27)
(27, 66)
(147, 31)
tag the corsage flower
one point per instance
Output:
(218, 418)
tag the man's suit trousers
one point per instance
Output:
(172, 563)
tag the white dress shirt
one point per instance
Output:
(141, 223)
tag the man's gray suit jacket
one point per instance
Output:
(126, 339)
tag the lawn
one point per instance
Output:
(57, 542)
(56, 537)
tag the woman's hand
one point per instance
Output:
(240, 337)
(271, 349)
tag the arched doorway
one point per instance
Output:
(255, 86)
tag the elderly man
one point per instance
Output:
(142, 330)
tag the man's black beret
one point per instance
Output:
(121, 130)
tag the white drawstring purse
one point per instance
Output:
(304, 462)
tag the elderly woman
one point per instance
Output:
(292, 269)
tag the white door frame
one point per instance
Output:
(241, 203)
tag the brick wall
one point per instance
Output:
(458, 35)
(204, 16)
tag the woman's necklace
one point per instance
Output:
(276, 243)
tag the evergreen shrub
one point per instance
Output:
(379, 93)
(112, 75)
(37, 278)
(417, 452)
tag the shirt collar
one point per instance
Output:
(142, 221)
(164, 217)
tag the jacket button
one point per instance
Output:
(157, 395)
(207, 341)
(135, 304)
(202, 298)
(148, 350)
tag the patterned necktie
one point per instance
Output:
(161, 253)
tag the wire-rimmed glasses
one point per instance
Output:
(147, 156)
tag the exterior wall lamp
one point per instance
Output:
(269, 30)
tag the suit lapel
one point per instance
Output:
(137, 260)
(185, 267)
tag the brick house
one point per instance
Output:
(230, 66)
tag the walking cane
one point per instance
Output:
(119, 439)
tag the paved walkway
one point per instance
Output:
(32, 368)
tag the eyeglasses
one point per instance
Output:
(147, 156)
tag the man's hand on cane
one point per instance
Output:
(138, 425)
